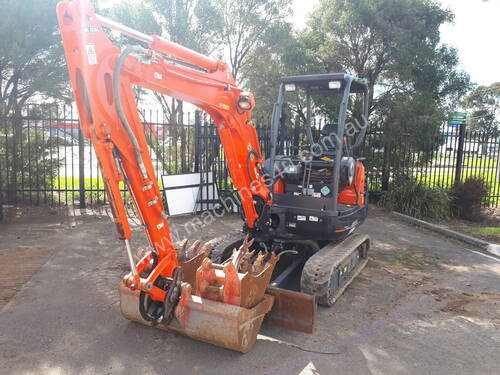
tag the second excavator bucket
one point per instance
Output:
(222, 304)
(229, 326)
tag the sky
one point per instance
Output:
(475, 33)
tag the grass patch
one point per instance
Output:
(400, 260)
(486, 231)
(446, 179)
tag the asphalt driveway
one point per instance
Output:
(423, 305)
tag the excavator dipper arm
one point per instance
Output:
(103, 78)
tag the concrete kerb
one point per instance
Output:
(489, 247)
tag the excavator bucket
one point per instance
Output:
(222, 304)
(221, 324)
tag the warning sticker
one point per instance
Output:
(325, 190)
(91, 29)
(91, 55)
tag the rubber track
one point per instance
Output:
(222, 243)
(317, 272)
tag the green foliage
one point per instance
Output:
(31, 58)
(486, 231)
(404, 260)
(249, 24)
(135, 15)
(468, 196)
(414, 198)
(280, 54)
(484, 111)
(30, 160)
(397, 43)
(31, 65)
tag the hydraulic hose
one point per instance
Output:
(116, 93)
(265, 206)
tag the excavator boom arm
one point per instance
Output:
(103, 78)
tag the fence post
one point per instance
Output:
(197, 136)
(460, 154)
(296, 133)
(81, 166)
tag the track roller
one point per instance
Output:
(223, 246)
(327, 273)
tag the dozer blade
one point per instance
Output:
(292, 310)
(217, 323)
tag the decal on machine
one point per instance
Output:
(325, 190)
(91, 29)
(91, 54)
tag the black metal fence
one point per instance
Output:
(451, 156)
(44, 158)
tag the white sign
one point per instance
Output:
(183, 192)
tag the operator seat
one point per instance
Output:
(328, 140)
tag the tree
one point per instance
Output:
(31, 66)
(193, 24)
(395, 45)
(278, 54)
(31, 57)
(484, 107)
(245, 24)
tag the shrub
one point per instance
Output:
(467, 198)
(414, 198)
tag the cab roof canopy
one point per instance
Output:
(320, 83)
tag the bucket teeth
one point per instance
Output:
(241, 280)
(205, 249)
(258, 264)
(184, 254)
(247, 243)
(233, 295)
(193, 250)
(180, 247)
(241, 257)
(245, 265)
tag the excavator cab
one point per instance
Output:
(318, 183)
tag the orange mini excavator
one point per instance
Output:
(300, 206)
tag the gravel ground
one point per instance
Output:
(423, 305)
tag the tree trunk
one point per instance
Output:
(386, 169)
(16, 144)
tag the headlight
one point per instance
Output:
(351, 171)
(334, 85)
(246, 101)
(347, 171)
